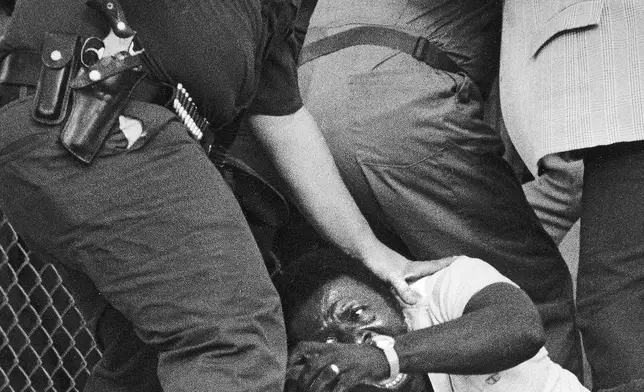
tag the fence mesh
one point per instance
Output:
(44, 343)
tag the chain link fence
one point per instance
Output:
(44, 343)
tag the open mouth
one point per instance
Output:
(392, 383)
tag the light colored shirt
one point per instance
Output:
(444, 296)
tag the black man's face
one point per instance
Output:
(347, 311)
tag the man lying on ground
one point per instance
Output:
(472, 330)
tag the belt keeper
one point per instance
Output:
(421, 48)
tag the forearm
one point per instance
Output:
(304, 161)
(493, 337)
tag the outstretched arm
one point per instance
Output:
(499, 329)
(302, 157)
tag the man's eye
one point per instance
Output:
(355, 313)
(331, 339)
(358, 314)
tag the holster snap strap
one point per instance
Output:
(418, 47)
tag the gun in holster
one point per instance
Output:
(87, 101)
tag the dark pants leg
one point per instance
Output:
(161, 237)
(412, 147)
(611, 265)
(127, 364)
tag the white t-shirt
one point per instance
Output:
(443, 298)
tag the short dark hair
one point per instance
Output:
(298, 281)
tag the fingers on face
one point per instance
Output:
(293, 372)
(347, 380)
(322, 372)
(303, 351)
(332, 379)
(323, 380)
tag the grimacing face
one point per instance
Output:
(348, 311)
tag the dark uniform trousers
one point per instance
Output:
(610, 287)
(156, 251)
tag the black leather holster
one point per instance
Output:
(86, 101)
(99, 95)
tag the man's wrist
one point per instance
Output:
(386, 344)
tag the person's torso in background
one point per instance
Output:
(469, 30)
(210, 46)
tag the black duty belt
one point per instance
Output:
(22, 68)
(18, 75)
(418, 47)
(260, 201)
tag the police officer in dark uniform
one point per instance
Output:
(103, 171)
